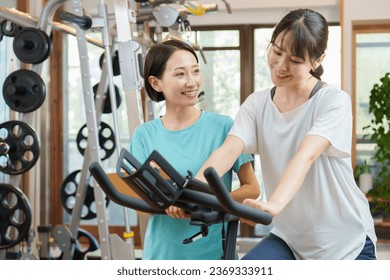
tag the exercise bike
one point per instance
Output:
(159, 186)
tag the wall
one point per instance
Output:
(265, 11)
(358, 11)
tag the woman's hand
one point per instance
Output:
(176, 212)
(273, 208)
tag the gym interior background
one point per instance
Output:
(53, 52)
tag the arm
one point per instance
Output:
(223, 158)
(249, 186)
(310, 149)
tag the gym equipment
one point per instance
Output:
(228, 7)
(84, 242)
(106, 140)
(194, 9)
(9, 28)
(32, 45)
(15, 213)
(27, 20)
(24, 91)
(68, 196)
(84, 22)
(107, 107)
(115, 63)
(162, 186)
(20, 146)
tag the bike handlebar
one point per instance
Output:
(231, 206)
(189, 197)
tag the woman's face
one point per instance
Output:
(180, 83)
(286, 69)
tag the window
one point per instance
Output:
(221, 71)
(372, 62)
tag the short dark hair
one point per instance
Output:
(308, 31)
(156, 60)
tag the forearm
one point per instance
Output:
(245, 191)
(249, 185)
(223, 158)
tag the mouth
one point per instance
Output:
(281, 75)
(190, 93)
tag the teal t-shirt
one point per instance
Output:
(185, 149)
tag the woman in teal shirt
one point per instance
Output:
(186, 137)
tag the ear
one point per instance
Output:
(155, 83)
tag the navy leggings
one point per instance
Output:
(274, 248)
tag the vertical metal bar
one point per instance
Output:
(93, 141)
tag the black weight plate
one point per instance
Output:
(23, 143)
(69, 192)
(106, 140)
(9, 32)
(115, 63)
(15, 216)
(107, 103)
(31, 45)
(24, 91)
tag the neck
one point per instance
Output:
(180, 118)
(289, 98)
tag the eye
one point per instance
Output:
(179, 74)
(277, 52)
(196, 71)
(297, 60)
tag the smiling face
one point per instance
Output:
(287, 69)
(181, 81)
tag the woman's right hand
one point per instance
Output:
(177, 213)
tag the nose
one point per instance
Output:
(191, 81)
(282, 63)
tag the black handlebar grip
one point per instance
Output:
(232, 206)
(116, 196)
(84, 22)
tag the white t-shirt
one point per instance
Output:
(329, 217)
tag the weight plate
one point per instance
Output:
(31, 45)
(9, 31)
(23, 147)
(24, 91)
(69, 193)
(107, 103)
(15, 216)
(115, 63)
(106, 140)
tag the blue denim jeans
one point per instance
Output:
(274, 248)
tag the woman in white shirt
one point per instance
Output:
(302, 129)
